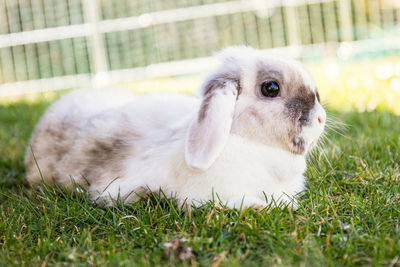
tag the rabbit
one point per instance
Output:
(242, 142)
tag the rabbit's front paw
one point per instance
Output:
(245, 202)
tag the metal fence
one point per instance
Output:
(56, 44)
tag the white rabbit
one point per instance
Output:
(244, 139)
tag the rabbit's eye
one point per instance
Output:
(270, 89)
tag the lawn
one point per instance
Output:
(349, 214)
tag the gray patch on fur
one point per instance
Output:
(205, 105)
(59, 135)
(216, 82)
(54, 140)
(298, 110)
(298, 107)
(299, 145)
(219, 79)
(106, 156)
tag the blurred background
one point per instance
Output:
(352, 47)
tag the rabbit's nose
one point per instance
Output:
(320, 119)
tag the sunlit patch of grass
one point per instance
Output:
(364, 85)
(47, 96)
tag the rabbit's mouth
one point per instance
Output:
(301, 146)
(298, 145)
(306, 137)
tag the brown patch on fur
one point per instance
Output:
(51, 139)
(59, 134)
(298, 145)
(106, 156)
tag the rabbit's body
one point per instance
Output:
(117, 145)
(109, 146)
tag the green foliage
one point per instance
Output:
(349, 214)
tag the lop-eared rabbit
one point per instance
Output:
(243, 142)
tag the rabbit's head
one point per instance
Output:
(266, 99)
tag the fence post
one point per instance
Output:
(96, 46)
(345, 20)
(292, 28)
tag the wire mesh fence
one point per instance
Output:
(72, 42)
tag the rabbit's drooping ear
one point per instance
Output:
(210, 129)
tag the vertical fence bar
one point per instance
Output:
(5, 61)
(126, 56)
(330, 24)
(7, 52)
(374, 15)
(292, 28)
(360, 20)
(397, 11)
(277, 27)
(96, 44)
(387, 16)
(345, 20)
(30, 49)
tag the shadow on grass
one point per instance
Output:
(16, 125)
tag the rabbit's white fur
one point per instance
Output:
(232, 144)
